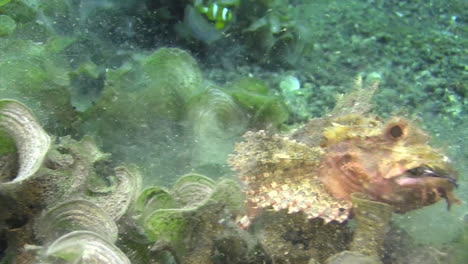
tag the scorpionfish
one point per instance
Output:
(316, 168)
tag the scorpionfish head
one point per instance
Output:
(391, 162)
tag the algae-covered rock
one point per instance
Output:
(167, 225)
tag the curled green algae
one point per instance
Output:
(31, 141)
(73, 182)
(83, 247)
(188, 218)
(78, 231)
(74, 215)
(169, 220)
(154, 198)
(152, 88)
(119, 193)
(216, 123)
(192, 190)
(169, 225)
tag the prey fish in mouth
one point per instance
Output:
(426, 174)
(316, 168)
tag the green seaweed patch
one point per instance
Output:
(164, 214)
(229, 193)
(193, 190)
(252, 94)
(172, 71)
(166, 225)
(252, 84)
(273, 112)
(265, 109)
(194, 178)
(154, 198)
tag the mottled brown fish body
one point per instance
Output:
(315, 169)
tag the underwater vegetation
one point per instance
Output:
(62, 200)
(107, 96)
(164, 94)
(193, 220)
(60, 192)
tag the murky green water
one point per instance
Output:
(118, 119)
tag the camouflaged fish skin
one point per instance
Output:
(279, 172)
(316, 168)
